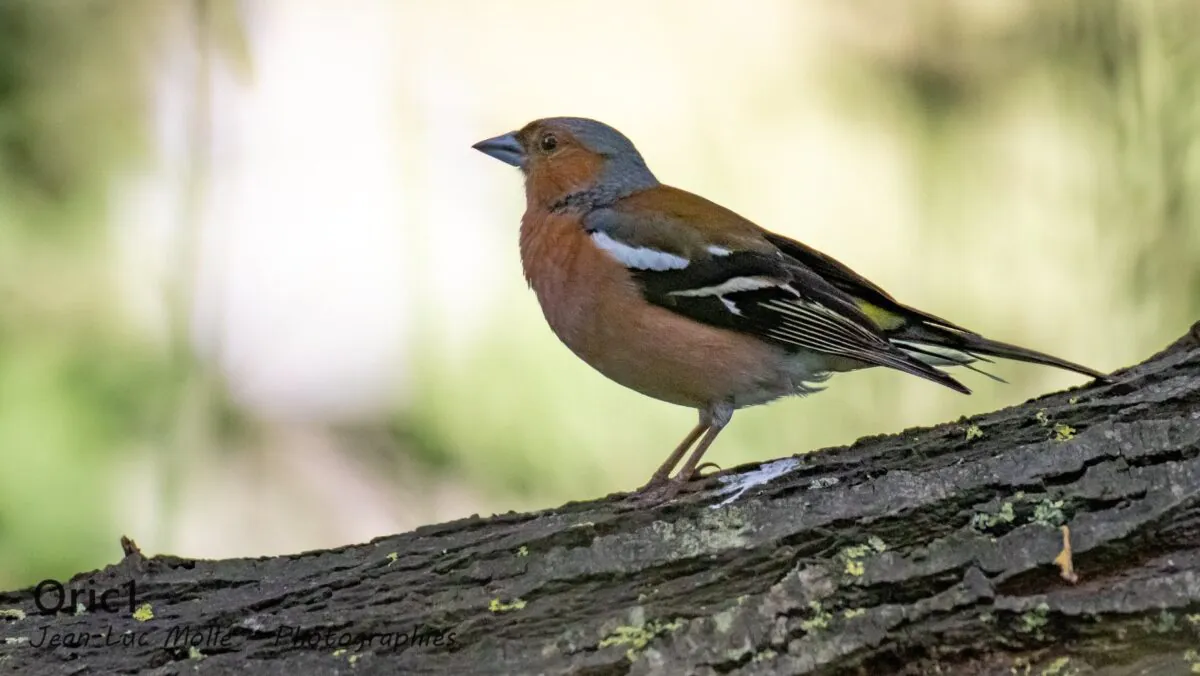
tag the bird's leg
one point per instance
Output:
(718, 417)
(663, 472)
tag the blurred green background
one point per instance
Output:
(257, 293)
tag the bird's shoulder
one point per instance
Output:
(669, 219)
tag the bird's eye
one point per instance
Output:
(549, 142)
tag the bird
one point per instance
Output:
(685, 301)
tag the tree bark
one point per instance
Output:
(930, 551)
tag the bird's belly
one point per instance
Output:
(674, 359)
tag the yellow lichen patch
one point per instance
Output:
(819, 620)
(1165, 624)
(523, 551)
(1033, 621)
(638, 636)
(13, 614)
(392, 558)
(984, 521)
(851, 613)
(498, 606)
(974, 432)
(339, 652)
(1073, 400)
(1063, 432)
(1006, 513)
(856, 551)
(765, 655)
(1192, 656)
(854, 554)
(1049, 512)
(1041, 417)
(194, 653)
(1057, 668)
(144, 613)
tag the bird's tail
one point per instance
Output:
(943, 346)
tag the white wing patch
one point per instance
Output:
(638, 257)
(718, 250)
(733, 285)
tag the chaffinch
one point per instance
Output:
(685, 301)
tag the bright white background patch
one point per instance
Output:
(638, 257)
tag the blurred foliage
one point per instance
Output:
(73, 387)
(77, 387)
(1126, 71)
(1134, 70)
(65, 121)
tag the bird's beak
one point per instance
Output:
(505, 148)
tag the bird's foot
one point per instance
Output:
(656, 495)
(649, 494)
(659, 490)
(656, 482)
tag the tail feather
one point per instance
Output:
(955, 344)
(939, 356)
(902, 360)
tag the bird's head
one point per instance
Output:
(563, 156)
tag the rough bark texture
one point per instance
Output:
(930, 551)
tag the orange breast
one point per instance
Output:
(592, 304)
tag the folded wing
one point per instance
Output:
(737, 281)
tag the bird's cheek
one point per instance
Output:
(561, 175)
(544, 187)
